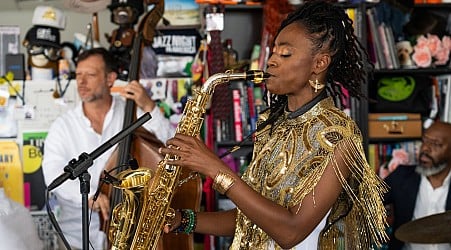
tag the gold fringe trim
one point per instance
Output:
(366, 222)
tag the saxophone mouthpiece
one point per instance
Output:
(256, 76)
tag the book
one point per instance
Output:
(251, 105)
(237, 123)
(34, 185)
(373, 24)
(392, 46)
(385, 46)
(444, 82)
(9, 43)
(448, 101)
(244, 104)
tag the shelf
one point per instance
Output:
(348, 5)
(433, 6)
(243, 7)
(237, 7)
(386, 140)
(417, 71)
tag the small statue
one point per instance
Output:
(43, 48)
(404, 50)
(125, 14)
(42, 42)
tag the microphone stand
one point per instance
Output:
(79, 168)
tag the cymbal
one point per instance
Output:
(434, 228)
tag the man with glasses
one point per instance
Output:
(423, 189)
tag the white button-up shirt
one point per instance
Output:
(70, 135)
(430, 201)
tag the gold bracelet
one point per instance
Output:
(223, 182)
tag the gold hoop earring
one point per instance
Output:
(316, 85)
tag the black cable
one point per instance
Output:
(54, 222)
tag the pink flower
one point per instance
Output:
(442, 56)
(399, 157)
(446, 42)
(422, 42)
(422, 57)
(430, 49)
(383, 171)
(434, 44)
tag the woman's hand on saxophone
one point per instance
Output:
(194, 154)
(174, 223)
(191, 152)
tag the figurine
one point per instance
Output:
(42, 42)
(404, 50)
(43, 49)
(125, 14)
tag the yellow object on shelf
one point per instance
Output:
(11, 174)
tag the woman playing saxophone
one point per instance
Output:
(308, 185)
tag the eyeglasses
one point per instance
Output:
(431, 142)
(51, 53)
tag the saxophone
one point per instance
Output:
(137, 222)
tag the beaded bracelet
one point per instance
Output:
(188, 222)
(223, 182)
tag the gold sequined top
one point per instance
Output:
(288, 163)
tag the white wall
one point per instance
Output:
(75, 23)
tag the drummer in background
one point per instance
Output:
(421, 190)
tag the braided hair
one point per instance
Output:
(330, 29)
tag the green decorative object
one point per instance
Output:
(396, 88)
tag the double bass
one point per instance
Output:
(142, 145)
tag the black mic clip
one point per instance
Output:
(133, 164)
(109, 179)
(76, 167)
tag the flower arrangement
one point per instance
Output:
(399, 157)
(430, 50)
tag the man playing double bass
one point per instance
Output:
(97, 118)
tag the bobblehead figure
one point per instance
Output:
(43, 48)
(125, 14)
(42, 42)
